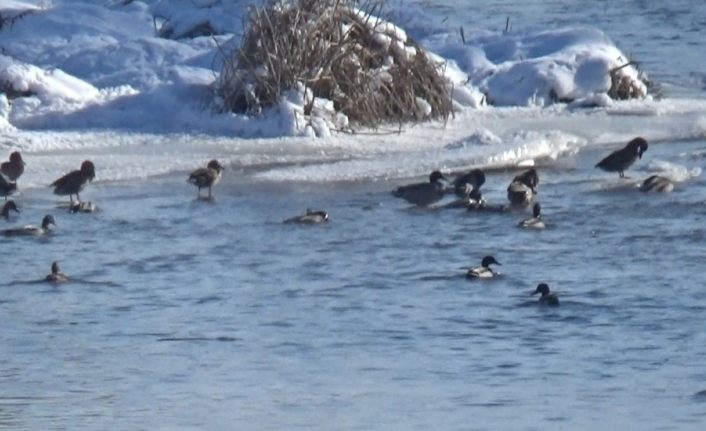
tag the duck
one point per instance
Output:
(311, 217)
(206, 177)
(656, 183)
(83, 207)
(483, 271)
(7, 187)
(472, 181)
(548, 299)
(620, 160)
(423, 194)
(536, 221)
(73, 182)
(9, 206)
(523, 188)
(13, 168)
(56, 276)
(31, 230)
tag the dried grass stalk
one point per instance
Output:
(371, 71)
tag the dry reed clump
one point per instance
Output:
(368, 68)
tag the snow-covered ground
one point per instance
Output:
(100, 78)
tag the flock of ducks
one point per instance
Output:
(521, 192)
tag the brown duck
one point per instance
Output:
(73, 182)
(14, 168)
(206, 177)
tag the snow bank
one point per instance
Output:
(538, 69)
(76, 64)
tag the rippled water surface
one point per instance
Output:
(191, 314)
(187, 314)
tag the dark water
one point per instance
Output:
(189, 314)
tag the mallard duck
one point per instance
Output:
(9, 206)
(549, 299)
(311, 217)
(484, 270)
(536, 221)
(31, 230)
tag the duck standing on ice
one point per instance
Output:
(619, 160)
(73, 182)
(13, 168)
(206, 177)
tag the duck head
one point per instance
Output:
(213, 164)
(536, 210)
(638, 146)
(436, 176)
(16, 158)
(55, 267)
(488, 260)
(47, 221)
(88, 170)
(9, 206)
(542, 288)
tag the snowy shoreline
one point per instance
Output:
(100, 81)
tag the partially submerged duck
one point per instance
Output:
(9, 206)
(56, 276)
(13, 168)
(549, 299)
(523, 188)
(206, 177)
(6, 187)
(73, 182)
(31, 230)
(423, 194)
(311, 217)
(83, 207)
(536, 221)
(620, 160)
(484, 270)
(656, 183)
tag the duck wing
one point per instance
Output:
(421, 194)
(70, 183)
(618, 160)
(202, 177)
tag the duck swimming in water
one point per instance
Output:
(311, 217)
(549, 299)
(656, 183)
(423, 194)
(9, 206)
(484, 270)
(13, 168)
(31, 230)
(56, 276)
(73, 182)
(523, 188)
(536, 221)
(6, 187)
(206, 177)
(620, 160)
